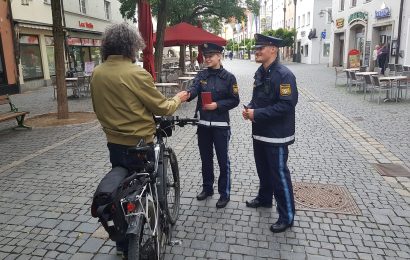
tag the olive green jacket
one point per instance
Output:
(125, 98)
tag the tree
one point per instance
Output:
(288, 36)
(58, 34)
(190, 11)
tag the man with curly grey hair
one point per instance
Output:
(125, 98)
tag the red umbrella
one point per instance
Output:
(200, 57)
(186, 34)
(145, 28)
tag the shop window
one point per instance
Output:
(354, 3)
(50, 55)
(306, 50)
(326, 49)
(107, 7)
(30, 56)
(83, 6)
(342, 5)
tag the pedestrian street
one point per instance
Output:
(345, 208)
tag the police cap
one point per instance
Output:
(263, 40)
(208, 48)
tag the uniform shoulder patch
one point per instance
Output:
(203, 82)
(285, 90)
(235, 89)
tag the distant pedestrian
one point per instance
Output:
(272, 112)
(375, 51)
(230, 55)
(382, 57)
(217, 92)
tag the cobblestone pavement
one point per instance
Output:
(49, 175)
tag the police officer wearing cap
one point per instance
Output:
(272, 113)
(213, 125)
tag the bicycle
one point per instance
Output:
(149, 206)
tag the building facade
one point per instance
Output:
(361, 25)
(8, 68)
(313, 23)
(85, 21)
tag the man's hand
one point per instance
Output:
(183, 95)
(211, 106)
(248, 114)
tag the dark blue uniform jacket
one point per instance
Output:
(274, 99)
(223, 86)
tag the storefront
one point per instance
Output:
(83, 51)
(357, 34)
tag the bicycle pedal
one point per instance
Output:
(175, 242)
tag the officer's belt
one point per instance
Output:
(274, 140)
(209, 123)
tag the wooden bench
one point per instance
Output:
(13, 113)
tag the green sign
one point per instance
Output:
(358, 16)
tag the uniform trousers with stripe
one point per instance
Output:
(208, 137)
(274, 177)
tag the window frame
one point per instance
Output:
(83, 6)
(107, 11)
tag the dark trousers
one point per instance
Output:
(120, 157)
(208, 137)
(274, 177)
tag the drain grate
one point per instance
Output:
(325, 198)
(391, 170)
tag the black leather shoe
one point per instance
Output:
(203, 195)
(255, 203)
(222, 202)
(280, 227)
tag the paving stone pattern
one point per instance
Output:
(49, 175)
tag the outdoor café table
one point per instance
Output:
(72, 82)
(165, 86)
(174, 68)
(391, 79)
(366, 73)
(352, 69)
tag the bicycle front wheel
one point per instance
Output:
(171, 178)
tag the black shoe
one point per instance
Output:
(280, 227)
(203, 195)
(222, 202)
(255, 203)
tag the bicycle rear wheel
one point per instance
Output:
(172, 192)
(142, 245)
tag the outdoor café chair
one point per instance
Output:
(399, 69)
(391, 66)
(406, 68)
(368, 86)
(354, 81)
(363, 69)
(380, 87)
(347, 78)
(339, 74)
(403, 86)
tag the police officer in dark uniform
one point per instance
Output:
(218, 88)
(272, 112)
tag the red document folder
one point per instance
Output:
(206, 98)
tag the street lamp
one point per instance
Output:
(323, 12)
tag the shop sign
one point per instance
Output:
(358, 16)
(340, 23)
(97, 42)
(383, 13)
(29, 39)
(87, 42)
(86, 25)
(74, 41)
